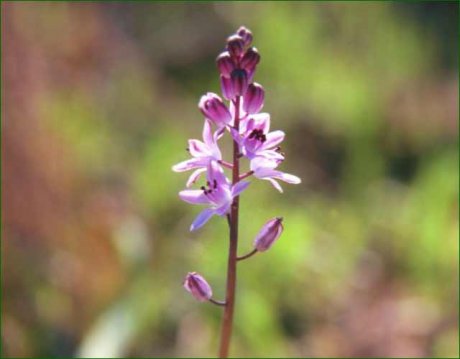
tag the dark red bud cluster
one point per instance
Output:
(237, 64)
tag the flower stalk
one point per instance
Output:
(252, 140)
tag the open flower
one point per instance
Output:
(218, 194)
(255, 139)
(202, 153)
(196, 285)
(264, 168)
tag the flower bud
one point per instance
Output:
(245, 34)
(228, 90)
(250, 59)
(239, 79)
(225, 64)
(269, 233)
(197, 286)
(214, 109)
(235, 45)
(253, 100)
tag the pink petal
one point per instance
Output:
(273, 138)
(201, 219)
(194, 176)
(193, 196)
(198, 148)
(239, 187)
(189, 164)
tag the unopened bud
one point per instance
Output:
(250, 59)
(269, 233)
(214, 109)
(253, 100)
(235, 45)
(228, 90)
(239, 79)
(225, 64)
(245, 34)
(197, 286)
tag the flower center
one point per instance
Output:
(207, 191)
(258, 135)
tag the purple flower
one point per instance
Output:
(225, 64)
(227, 87)
(245, 34)
(218, 194)
(235, 45)
(253, 100)
(250, 59)
(268, 234)
(197, 286)
(202, 152)
(264, 169)
(256, 141)
(214, 109)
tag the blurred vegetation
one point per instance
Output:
(99, 100)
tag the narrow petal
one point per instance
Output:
(201, 219)
(216, 173)
(239, 187)
(273, 138)
(236, 136)
(271, 155)
(263, 166)
(194, 196)
(286, 177)
(189, 164)
(207, 133)
(275, 184)
(198, 148)
(194, 176)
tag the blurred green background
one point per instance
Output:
(99, 101)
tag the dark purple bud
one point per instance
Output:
(225, 64)
(197, 286)
(253, 100)
(235, 45)
(245, 34)
(269, 233)
(214, 109)
(239, 79)
(250, 59)
(228, 90)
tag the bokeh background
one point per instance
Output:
(99, 100)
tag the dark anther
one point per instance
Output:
(215, 184)
(187, 149)
(203, 188)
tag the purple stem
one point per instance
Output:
(227, 321)
(250, 254)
